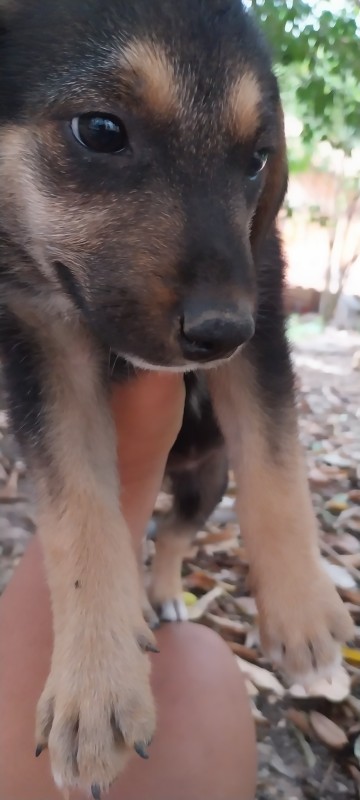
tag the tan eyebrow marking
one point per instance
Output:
(152, 77)
(244, 106)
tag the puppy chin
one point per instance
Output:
(190, 366)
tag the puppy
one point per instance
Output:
(142, 166)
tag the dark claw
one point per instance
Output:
(313, 656)
(154, 625)
(39, 750)
(146, 646)
(95, 791)
(140, 749)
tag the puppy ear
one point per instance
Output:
(275, 187)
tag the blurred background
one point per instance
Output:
(316, 50)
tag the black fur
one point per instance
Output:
(53, 55)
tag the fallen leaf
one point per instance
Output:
(351, 595)
(351, 654)
(321, 477)
(229, 532)
(327, 731)
(257, 716)
(202, 579)
(262, 678)
(200, 607)
(357, 748)
(337, 460)
(300, 719)
(247, 606)
(348, 516)
(336, 690)
(339, 575)
(248, 653)
(251, 688)
(337, 504)
(226, 624)
(9, 491)
(199, 580)
(189, 599)
(354, 495)
(279, 766)
(355, 774)
(347, 543)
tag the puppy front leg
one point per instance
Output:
(302, 619)
(97, 703)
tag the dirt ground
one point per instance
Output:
(308, 747)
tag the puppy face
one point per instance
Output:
(142, 160)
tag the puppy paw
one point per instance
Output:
(172, 610)
(96, 709)
(303, 623)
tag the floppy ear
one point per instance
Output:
(275, 187)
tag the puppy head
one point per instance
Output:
(142, 151)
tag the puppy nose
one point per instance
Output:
(211, 336)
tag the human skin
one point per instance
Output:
(205, 744)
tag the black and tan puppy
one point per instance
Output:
(142, 166)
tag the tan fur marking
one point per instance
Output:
(171, 549)
(92, 572)
(152, 76)
(243, 106)
(297, 602)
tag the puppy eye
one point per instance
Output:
(257, 163)
(100, 132)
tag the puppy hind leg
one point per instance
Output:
(197, 491)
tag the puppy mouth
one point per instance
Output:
(186, 366)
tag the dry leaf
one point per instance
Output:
(202, 579)
(355, 774)
(351, 654)
(247, 606)
(347, 516)
(279, 766)
(357, 748)
(339, 575)
(229, 532)
(248, 653)
(300, 719)
(337, 460)
(199, 580)
(251, 688)
(257, 716)
(189, 599)
(227, 625)
(262, 678)
(218, 547)
(336, 690)
(337, 504)
(10, 490)
(198, 610)
(4, 420)
(351, 596)
(346, 542)
(354, 495)
(327, 731)
(320, 476)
